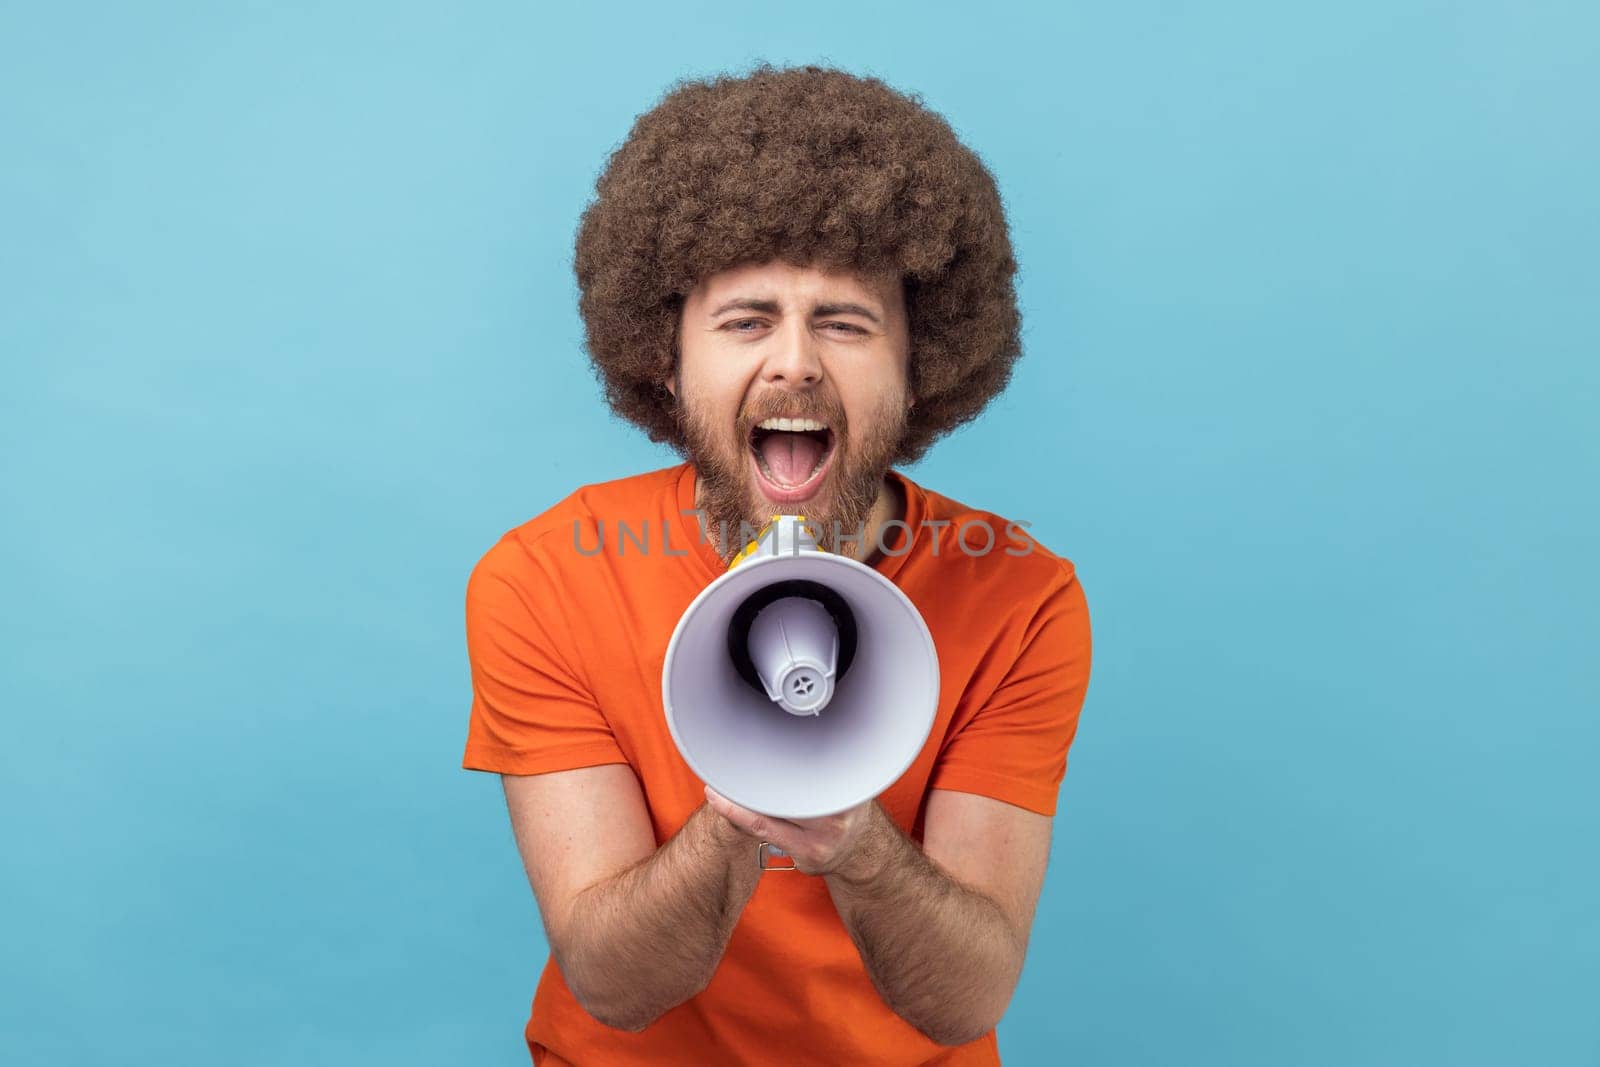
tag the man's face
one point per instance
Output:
(763, 343)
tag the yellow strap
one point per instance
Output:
(749, 550)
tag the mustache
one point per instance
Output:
(777, 406)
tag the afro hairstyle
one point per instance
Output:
(811, 166)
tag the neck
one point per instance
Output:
(890, 506)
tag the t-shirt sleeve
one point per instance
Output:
(532, 709)
(1014, 747)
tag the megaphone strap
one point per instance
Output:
(755, 544)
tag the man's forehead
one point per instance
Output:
(783, 283)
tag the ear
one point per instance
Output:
(672, 384)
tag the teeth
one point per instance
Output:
(792, 425)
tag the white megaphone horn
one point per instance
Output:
(801, 683)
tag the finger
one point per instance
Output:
(776, 831)
(838, 823)
(723, 806)
(743, 818)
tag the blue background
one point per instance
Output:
(289, 339)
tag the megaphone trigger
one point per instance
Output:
(765, 850)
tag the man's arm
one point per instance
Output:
(942, 929)
(636, 930)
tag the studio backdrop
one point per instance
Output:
(1308, 396)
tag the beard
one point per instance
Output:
(734, 508)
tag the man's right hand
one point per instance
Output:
(635, 929)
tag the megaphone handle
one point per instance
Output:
(772, 850)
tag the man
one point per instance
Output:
(809, 246)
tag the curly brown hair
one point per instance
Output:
(811, 166)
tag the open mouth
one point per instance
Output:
(791, 457)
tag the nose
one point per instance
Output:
(792, 360)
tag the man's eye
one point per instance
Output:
(845, 326)
(738, 325)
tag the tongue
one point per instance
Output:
(789, 456)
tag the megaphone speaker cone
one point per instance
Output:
(802, 726)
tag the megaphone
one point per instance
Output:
(801, 683)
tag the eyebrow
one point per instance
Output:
(772, 307)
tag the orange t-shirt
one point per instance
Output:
(566, 645)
